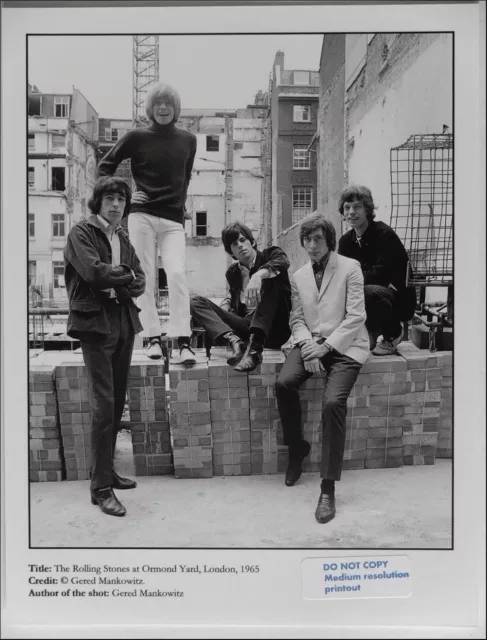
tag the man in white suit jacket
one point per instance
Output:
(328, 328)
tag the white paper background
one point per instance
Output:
(446, 583)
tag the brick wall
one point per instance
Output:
(221, 422)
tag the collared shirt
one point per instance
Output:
(114, 241)
(319, 269)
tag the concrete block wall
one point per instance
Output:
(190, 421)
(149, 419)
(230, 422)
(221, 422)
(45, 448)
(72, 389)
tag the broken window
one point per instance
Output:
(58, 274)
(212, 143)
(201, 223)
(301, 157)
(35, 105)
(58, 183)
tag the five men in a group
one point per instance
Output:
(325, 305)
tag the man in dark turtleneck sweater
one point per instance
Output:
(162, 159)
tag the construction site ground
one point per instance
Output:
(408, 507)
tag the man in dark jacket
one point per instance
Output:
(259, 303)
(384, 261)
(103, 275)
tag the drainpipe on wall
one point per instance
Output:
(228, 170)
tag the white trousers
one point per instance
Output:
(145, 231)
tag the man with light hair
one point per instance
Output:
(162, 157)
(328, 327)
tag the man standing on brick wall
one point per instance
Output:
(257, 309)
(162, 157)
(328, 328)
(103, 275)
(384, 261)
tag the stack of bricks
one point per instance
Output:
(75, 419)
(45, 453)
(230, 422)
(422, 405)
(377, 410)
(149, 421)
(445, 429)
(269, 454)
(190, 421)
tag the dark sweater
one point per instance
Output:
(381, 254)
(161, 161)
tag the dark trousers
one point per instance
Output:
(271, 316)
(380, 309)
(107, 360)
(341, 374)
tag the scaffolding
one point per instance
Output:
(146, 73)
(422, 205)
(422, 216)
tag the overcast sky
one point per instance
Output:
(209, 71)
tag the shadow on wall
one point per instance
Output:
(289, 242)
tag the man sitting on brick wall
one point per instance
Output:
(257, 309)
(328, 327)
(103, 275)
(384, 261)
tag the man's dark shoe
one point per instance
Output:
(107, 501)
(325, 511)
(296, 458)
(252, 356)
(237, 348)
(122, 483)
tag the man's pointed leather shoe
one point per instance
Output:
(252, 357)
(237, 349)
(295, 465)
(107, 501)
(325, 511)
(122, 483)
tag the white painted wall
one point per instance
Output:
(205, 269)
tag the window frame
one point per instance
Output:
(212, 136)
(304, 210)
(297, 158)
(62, 101)
(55, 146)
(31, 172)
(302, 107)
(32, 226)
(55, 223)
(52, 179)
(198, 225)
(57, 264)
(31, 137)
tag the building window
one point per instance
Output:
(301, 157)
(32, 272)
(61, 107)
(31, 177)
(58, 225)
(58, 183)
(58, 274)
(112, 135)
(301, 113)
(32, 142)
(57, 140)
(302, 203)
(201, 223)
(212, 143)
(32, 225)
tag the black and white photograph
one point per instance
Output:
(244, 356)
(241, 290)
